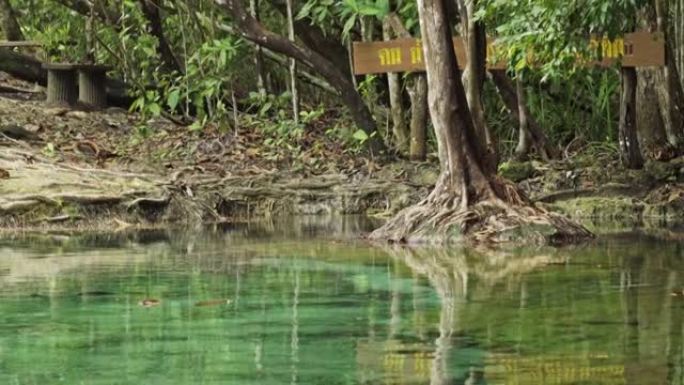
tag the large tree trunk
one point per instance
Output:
(10, 26)
(670, 88)
(468, 202)
(399, 127)
(22, 66)
(650, 125)
(630, 153)
(252, 30)
(677, 29)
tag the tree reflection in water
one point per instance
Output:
(650, 330)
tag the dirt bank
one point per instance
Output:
(64, 168)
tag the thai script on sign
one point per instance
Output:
(611, 49)
(640, 49)
(394, 56)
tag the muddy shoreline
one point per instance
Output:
(43, 194)
(91, 170)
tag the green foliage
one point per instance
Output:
(550, 34)
(347, 12)
(569, 102)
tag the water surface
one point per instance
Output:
(306, 304)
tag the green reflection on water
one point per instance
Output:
(335, 312)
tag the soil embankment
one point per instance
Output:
(63, 168)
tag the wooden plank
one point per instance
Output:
(12, 44)
(639, 49)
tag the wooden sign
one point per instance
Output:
(639, 49)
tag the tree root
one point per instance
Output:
(489, 221)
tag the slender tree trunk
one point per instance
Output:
(418, 93)
(678, 30)
(259, 54)
(90, 36)
(150, 9)
(10, 26)
(293, 64)
(252, 30)
(473, 31)
(630, 152)
(399, 127)
(524, 138)
(508, 93)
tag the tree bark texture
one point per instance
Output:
(258, 54)
(399, 126)
(669, 85)
(22, 66)
(418, 93)
(293, 64)
(630, 152)
(458, 144)
(524, 137)
(252, 30)
(473, 32)
(676, 29)
(10, 26)
(650, 125)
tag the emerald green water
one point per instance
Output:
(306, 304)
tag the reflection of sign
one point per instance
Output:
(640, 49)
(548, 370)
(394, 361)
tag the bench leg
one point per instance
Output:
(92, 88)
(62, 88)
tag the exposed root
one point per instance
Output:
(491, 220)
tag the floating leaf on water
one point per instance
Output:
(149, 302)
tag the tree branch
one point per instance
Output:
(250, 29)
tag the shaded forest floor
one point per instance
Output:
(63, 168)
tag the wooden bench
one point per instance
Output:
(92, 85)
(71, 83)
(62, 83)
